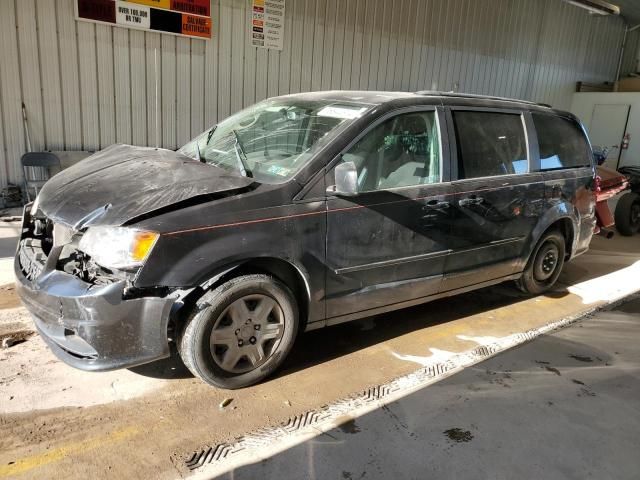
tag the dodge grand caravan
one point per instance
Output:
(300, 212)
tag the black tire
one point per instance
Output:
(627, 214)
(221, 308)
(544, 265)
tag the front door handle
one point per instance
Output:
(436, 205)
(472, 200)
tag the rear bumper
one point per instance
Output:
(93, 327)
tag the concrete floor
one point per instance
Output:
(57, 422)
(563, 406)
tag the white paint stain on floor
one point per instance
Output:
(31, 378)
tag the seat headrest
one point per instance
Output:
(411, 125)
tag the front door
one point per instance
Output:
(388, 244)
(497, 200)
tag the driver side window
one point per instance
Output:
(400, 152)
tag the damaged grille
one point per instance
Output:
(32, 258)
(81, 265)
(37, 245)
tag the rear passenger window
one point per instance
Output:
(490, 144)
(562, 143)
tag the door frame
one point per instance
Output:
(624, 130)
(445, 155)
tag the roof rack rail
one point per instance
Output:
(437, 93)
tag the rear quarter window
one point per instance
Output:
(561, 142)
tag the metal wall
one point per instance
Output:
(86, 86)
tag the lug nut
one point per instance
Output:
(240, 342)
(256, 327)
(252, 340)
(238, 332)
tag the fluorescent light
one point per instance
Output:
(596, 6)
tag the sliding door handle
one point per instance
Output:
(472, 200)
(436, 205)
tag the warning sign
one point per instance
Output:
(267, 24)
(196, 26)
(132, 15)
(179, 17)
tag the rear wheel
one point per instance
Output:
(544, 265)
(627, 215)
(240, 332)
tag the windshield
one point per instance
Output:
(274, 139)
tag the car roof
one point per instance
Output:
(423, 97)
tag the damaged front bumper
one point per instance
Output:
(94, 327)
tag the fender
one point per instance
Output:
(222, 271)
(294, 275)
(564, 211)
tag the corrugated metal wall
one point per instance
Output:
(87, 86)
(631, 51)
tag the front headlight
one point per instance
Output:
(118, 247)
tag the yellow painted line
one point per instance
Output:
(55, 455)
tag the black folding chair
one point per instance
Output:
(37, 169)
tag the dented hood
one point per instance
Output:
(121, 183)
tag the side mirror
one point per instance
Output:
(346, 175)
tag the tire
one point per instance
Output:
(544, 265)
(230, 325)
(627, 214)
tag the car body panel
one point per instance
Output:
(144, 180)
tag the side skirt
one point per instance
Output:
(409, 303)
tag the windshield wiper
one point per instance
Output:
(202, 160)
(241, 155)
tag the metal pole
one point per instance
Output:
(155, 63)
(26, 127)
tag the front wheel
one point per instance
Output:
(627, 215)
(544, 265)
(240, 332)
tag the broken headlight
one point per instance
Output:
(117, 247)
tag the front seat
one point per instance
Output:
(405, 163)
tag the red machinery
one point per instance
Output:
(609, 182)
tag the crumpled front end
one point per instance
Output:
(91, 318)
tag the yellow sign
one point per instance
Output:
(154, 3)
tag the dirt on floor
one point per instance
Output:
(8, 297)
(57, 422)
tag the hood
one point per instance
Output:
(121, 183)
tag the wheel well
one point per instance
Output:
(565, 227)
(280, 269)
(287, 274)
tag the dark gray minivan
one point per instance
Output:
(300, 212)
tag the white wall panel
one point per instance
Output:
(10, 97)
(47, 45)
(87, 86)
(67, 55)
(138, 84)
(122, 84)
(106, 84)
(183, 90)
(153, 62)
